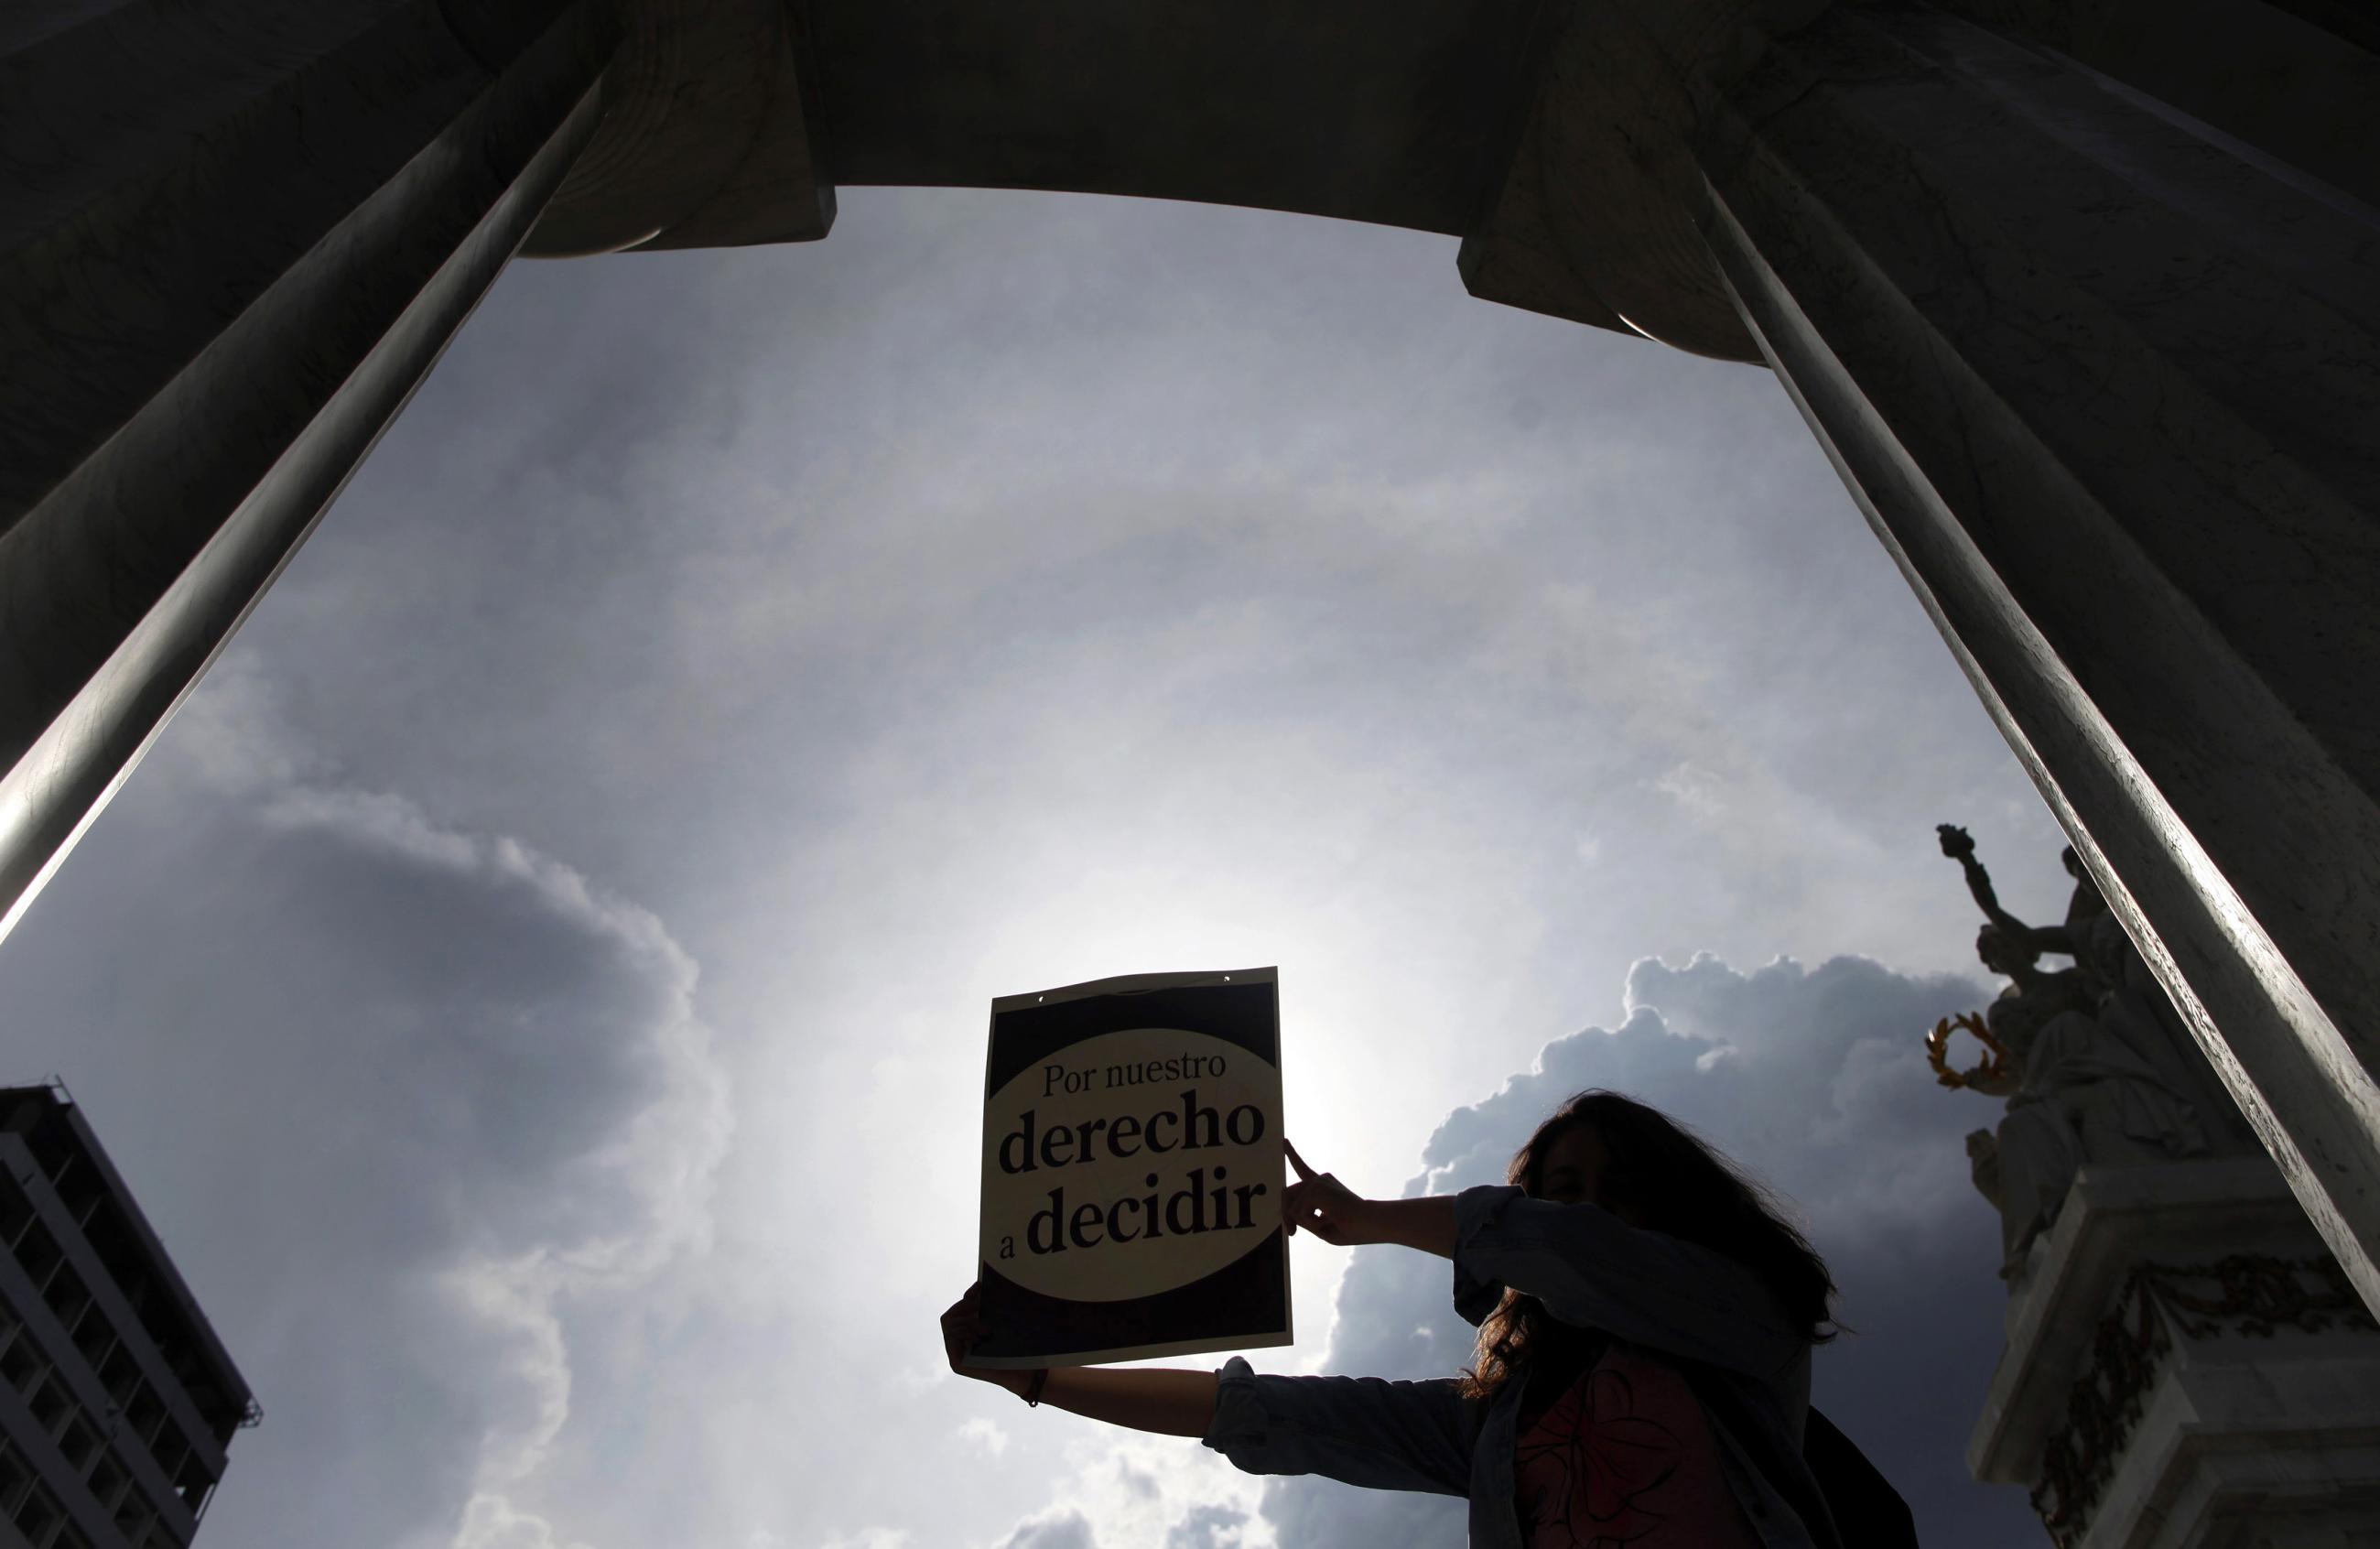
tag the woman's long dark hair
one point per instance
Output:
(1662, 1177)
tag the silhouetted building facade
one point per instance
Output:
(117, 1400)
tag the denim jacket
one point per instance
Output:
(1592, 1270)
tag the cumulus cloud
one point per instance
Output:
(1122, 1487)
(1209, 1527)
(490, 1522)
(1813, 1079)
(1061, 1530)
(452, 1098)
(870, 1538)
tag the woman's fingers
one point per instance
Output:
(1305, 1173)
(1311, 1204)
(962, 1325)
(1318, 1202)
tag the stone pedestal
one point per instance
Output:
(2187, 1368)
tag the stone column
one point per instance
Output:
(2101, 368)
(236, 238)
(2107, 381)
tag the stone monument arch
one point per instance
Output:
(2079, 296)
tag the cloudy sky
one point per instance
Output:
(538, 984)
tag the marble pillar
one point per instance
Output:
(236, 238)
(2082, 298)
(2105, 380)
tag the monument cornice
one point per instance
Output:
(711, 137)
(1598, 219)
(732, 122)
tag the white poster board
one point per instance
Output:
(1132, 1171)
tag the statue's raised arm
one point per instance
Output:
(2026, 942)
(1959, 845)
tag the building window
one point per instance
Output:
(107, 1481)
(81, 1190)
(53, 1147)
(21, 1365)
(37, 1253)
(67, 1297)
(147, 1415)
(15, 1212)
(16, 1478)
(79, 1444)
(136, 1519)
(191, 1481)
(173, 1454)
(52, 1404)
(37, 1515)
(119, 1374)
(95, 1337)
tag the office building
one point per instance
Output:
(117, 1400)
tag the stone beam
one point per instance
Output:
(732, 120)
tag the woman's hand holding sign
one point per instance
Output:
(1170, 1401)
(963, 1327)
(1321, 1204)
(1183, 1402)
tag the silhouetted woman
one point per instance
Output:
(1643, 1371)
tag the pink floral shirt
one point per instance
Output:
(1624, 1456)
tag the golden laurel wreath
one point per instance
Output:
(1991, 1068)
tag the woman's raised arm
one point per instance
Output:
(1336, 1214)
(1357, 1430)
(1170, 1400)
(1587, 1265)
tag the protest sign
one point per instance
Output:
(1132, 1171)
